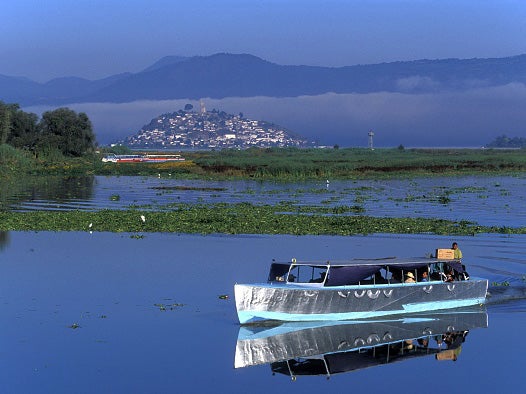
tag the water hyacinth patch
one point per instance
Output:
(242, 218)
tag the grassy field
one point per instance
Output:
(294, 164)
(288, 164)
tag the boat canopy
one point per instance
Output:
(355, 271)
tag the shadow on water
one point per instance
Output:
(324, 348)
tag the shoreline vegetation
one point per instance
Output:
(281, 164)
(240, 218)
(270, 164)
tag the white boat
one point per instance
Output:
(357, 289)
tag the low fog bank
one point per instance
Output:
(471, 118)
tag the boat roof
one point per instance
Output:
(390, 261)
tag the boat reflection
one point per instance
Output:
(327, 348)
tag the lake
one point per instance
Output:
(488, 200)
(117, 313)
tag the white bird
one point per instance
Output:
(90, 225)
(143, 218)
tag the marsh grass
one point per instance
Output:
(284, 164)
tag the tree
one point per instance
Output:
(188, 107)
(5, 123)
(25, 132)
(67, 131)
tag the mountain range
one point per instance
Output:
(242, 75)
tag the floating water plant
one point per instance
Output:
(504, 283)
(242, 218)
(171, 307)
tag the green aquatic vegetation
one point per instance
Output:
(444, 199)
(168, 307)
(504, 283)
(242, 218)
(194, 188)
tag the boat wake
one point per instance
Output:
(506, 291)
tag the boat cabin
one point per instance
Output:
(367, 272)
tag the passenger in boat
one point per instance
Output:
(409, 278)
(423, 342)
(425, 277)
(457, 253)
(450, 274)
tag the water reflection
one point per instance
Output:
(325, 348)
(47, 192)
(4, 239)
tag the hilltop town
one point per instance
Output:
(187, 129)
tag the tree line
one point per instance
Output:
(504, 141)
(61, 130)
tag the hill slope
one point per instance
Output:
(230, 75)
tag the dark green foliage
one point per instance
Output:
(68, 131)
(505, 142)
(25, 130)
(59, 133)
(5, 122)
(18, 128)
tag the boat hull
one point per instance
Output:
(259, 302)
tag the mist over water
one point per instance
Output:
(470, 118)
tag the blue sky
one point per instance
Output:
(96, 38)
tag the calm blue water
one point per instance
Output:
(150, 319)
(489, 201)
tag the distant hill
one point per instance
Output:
(241, 75)
(211, 129)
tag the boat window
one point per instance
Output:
(307, 274)
(278, 272)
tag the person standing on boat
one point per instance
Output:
(457, 253)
